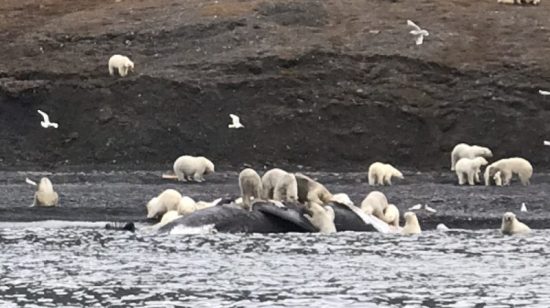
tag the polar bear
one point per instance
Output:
(45, 195)
(468, 169)
(463, 150)
(391, 215)
(511, 225)
(286, 188)
(167, 200)
(269, 181)
(507, 167)
(311, 191)
(186, 206)
(322, 217)
(250, 185)
(188, 167)
(375, 203)
(381, 174)
(122, 64)
(411, 224)
(520, 2)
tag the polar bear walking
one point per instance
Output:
(250, 185)
(507, 167)
(463, 150)
(469, 169)
(122, 64)
(511, 225)
(286, 188)
(188, 167)
(45, 195)
(381, 174)
(269, 181)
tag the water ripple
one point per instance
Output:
(70, 266)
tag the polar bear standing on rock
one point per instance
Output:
(463, 150)
(511, 225)
(507, 167)
(269, 181)
(45, 195)
(381, 174)
(375, 203)
(469, 169)
(286, 188)
(250, 184)
(322, 217)
(188, 167)
(167, 200)
(311, 191)
(122, 64)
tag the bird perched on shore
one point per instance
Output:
(418, 32)
(236, 122)
(46, 120)
(419, 207)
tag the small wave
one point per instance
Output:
(185, 230)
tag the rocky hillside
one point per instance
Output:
(325, 84)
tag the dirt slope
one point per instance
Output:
(325, 84)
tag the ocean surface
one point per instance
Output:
(79, 264)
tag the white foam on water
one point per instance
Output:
(185, 230)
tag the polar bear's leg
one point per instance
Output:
(477, 172)
(180, 175)
(461, 178)
(454, 157)
(123, 71)
(111, 70)
(524, 178)
(471, 176)
(197, 177)
(386, 180)
(506, 177)
(372, 179)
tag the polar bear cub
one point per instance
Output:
(122, 64)
(250, 185)
(375, 203)
(507, 167)
(412, 226)
(45, 195)
(189, 167)
(511, 225)
(463, 150)
(286, 188)
(469, 169)
(381, 174)
(167, 200)
(322, 217)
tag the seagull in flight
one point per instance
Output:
(418, 32)
(46, 122)
(236, 122)
(29, 181)
(542, 92)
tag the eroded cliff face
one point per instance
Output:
(326, 84)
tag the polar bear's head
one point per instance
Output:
(45, 185)
(154, 208)
(341, 198)
(129, 65)
(209, 166)
(508, 218)
(480, 161)
(482, 151)
(396, 173)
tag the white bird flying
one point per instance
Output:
(418, 32)
(46, 123)
(546, 142)
(542, 92)
(523, 207)
(236, 122)
(29, 181)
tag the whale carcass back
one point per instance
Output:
(351, 218)
(232, 218)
